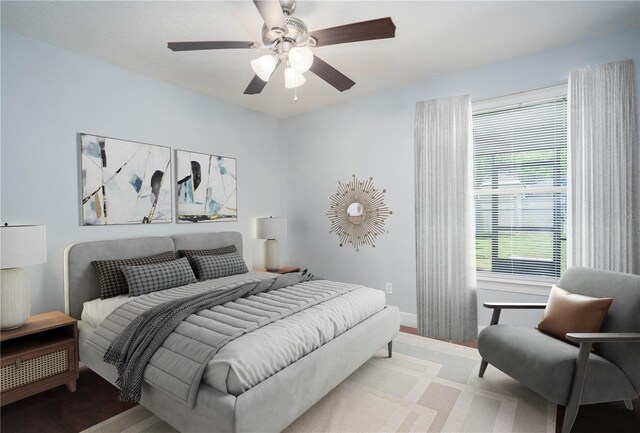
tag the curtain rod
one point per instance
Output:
(555, 84)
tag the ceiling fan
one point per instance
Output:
(290, 42)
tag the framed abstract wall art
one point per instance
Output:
(206, 187)
(124, 182)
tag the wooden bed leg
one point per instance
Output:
(390, 348)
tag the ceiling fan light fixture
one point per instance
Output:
(301, 58)
(293, 78)
(290, 42)
(264, 66)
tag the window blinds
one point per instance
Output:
(520, 180)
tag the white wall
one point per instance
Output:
(373, 136)
(50, 94)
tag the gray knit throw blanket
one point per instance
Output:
(131, 351)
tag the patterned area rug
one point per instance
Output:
(428, 386)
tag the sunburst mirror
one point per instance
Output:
(357, 213)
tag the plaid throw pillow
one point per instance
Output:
(153, 278)
(112, 280)
(218, 266)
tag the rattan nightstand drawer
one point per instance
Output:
(23, 371)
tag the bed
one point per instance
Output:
(237, 393)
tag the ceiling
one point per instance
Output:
(432, 39)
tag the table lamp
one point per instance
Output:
(19, 246)
(272, 229)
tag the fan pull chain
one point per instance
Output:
(295, 95)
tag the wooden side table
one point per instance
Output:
(282, 270)
(41, 354)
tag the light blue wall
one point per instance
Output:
(50, 94)
(373, 136)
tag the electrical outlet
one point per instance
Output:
(389, 288)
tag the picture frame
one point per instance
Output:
(206, 187)
(124, 182)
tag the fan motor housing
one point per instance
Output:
(297, 32)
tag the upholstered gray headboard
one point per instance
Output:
(196, 241)
(81, 279)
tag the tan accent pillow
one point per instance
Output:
(569, 312)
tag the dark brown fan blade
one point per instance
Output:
(331, 75)
(271, 13)
(256, 85)
(381, 28)
(209, 45)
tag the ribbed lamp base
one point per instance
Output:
(272, 255)
(15, 306)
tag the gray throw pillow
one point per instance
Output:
(218, 266)
(206, 252)
(112, 280)
(152, 278)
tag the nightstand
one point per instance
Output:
(282, 270)
(41, 354)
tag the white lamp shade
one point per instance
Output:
(264, 66)
(22, 246)
(271, 228)
(301, 58)
(293, 78)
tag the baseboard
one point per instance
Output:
(409, 319)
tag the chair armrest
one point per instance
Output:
(499, 306)
(604, 337)
(586, 340)
(515, 305)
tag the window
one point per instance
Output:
(520, 185)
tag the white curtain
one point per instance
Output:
(603, 168)
(445, 233)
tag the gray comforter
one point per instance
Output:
(135, 346)
(178, 364)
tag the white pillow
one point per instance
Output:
(94, 312)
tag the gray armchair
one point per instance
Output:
(566, 374)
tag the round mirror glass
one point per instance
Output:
(355, 213)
